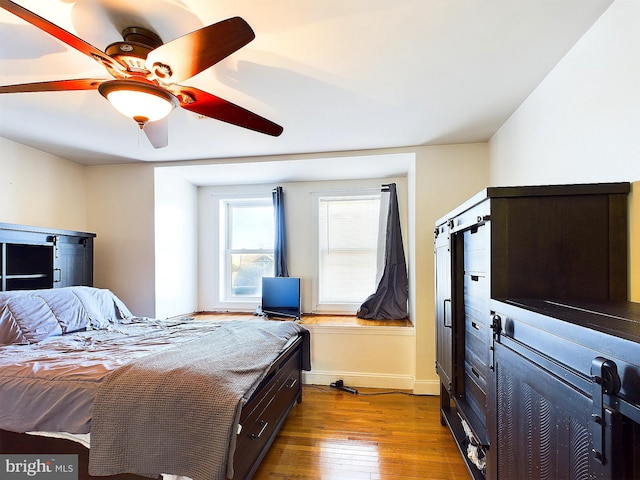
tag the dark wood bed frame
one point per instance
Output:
(261, 420)
(261, 417)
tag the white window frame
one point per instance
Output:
(337, 308)
(226, 299)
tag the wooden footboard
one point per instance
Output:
(261, 420)
(266, 411)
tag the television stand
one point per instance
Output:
(280, 316)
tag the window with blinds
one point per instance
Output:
(347, 248)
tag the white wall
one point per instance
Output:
(176, 245)
(40, 189)
(582, 123)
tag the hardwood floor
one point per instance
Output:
(334, 435)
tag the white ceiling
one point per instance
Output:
(338, 75)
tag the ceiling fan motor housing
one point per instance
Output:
(132, 52)
(142, 35)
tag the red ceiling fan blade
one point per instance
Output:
(157, 132)
(60, 33)
(194, 52)
(204, 103)
(54, 86)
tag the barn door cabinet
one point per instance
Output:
(34, 257)
(568, 389)
(562, 242)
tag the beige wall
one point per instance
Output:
(634, 243)
(381, 357)
(120, 204)
(41, 189)
(445, 176)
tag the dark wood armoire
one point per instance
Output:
(526, 280)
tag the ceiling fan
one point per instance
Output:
(145, 71)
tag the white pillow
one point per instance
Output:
(32, 316)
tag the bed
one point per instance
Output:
(143, 398)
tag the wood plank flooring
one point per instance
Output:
(334, 435)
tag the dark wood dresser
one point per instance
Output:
(561, 243)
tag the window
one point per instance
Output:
(247, 236)
(347, 248)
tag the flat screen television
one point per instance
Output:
(281, 296)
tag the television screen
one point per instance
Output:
(281, 296)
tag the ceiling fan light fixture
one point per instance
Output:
(140, 101)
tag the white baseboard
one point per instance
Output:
(426, 387)
(371, 380)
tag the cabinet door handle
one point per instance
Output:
(604, 375)
(263, 425)
(57, 275)
(444, 305)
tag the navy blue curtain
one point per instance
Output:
(389, 302)
(280, 245)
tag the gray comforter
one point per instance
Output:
(178, 411)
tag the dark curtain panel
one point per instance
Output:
(280, 245)
(389, 302)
